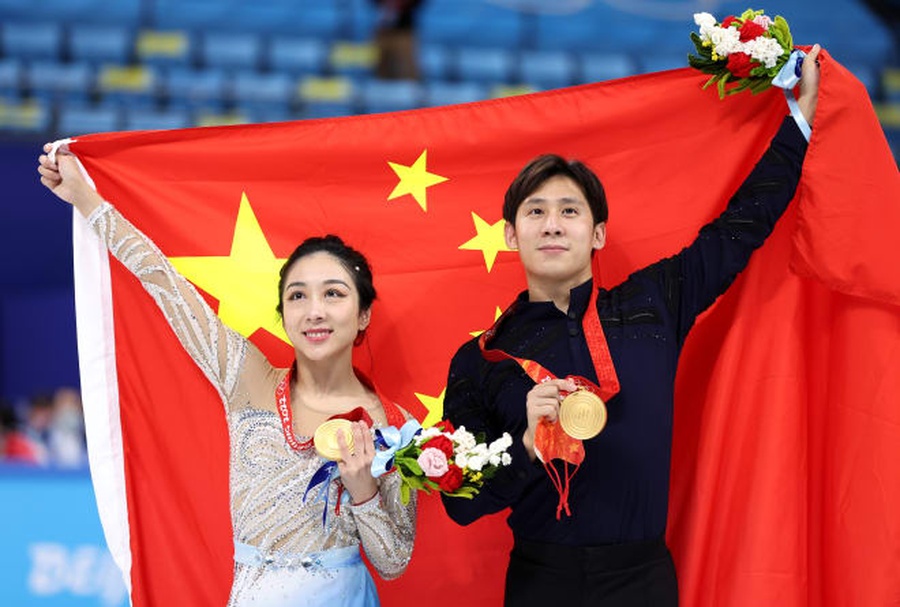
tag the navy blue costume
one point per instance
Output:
(620, 493)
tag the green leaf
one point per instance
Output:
(721, 87)
(404, 493)
(698, 43)
(466, 491)
(462, 495)
(781, 25)
(703, 64)
(409, 466)
(750, 14)
(759, 86)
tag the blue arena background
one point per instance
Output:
(53, 551)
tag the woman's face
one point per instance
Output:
(321, 312)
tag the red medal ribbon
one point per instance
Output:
(550, 441)
(394, 416)
(596, 343)
(283, 404)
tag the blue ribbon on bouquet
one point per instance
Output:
(786, 79)
(388, 441)
(322, 478)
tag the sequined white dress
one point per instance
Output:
(284, 554)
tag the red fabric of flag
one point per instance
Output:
(784, 473)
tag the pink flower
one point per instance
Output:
(764, 21)
(433, 462)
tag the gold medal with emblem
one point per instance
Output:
(325, 438)
(582, 414)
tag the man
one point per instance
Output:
(596, 536)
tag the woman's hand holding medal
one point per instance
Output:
(355, 465)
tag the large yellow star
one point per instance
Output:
(497, 313)
(245, 282)
(489, 240)
(434, 405)
(415, 180)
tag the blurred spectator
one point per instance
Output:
(37, 426)
(396, 40)
(14, 445)
(53, 432)
(66, 440)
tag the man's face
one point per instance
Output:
(555, 233)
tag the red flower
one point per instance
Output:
(441, 443)
(727, 21)
(445, 426)
(751, 31)
(452, 479)
(740, 64)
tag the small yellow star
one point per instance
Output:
(245, 282)
(414, 180)
(434, 405)
(489, 240)
(497, 313)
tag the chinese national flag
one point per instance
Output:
(787, 432)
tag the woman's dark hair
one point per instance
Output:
(543, 168)
(352, 260)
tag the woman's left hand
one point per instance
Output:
(355, 464)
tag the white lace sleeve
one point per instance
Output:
(387, 527)
(217, 349)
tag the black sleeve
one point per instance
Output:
(695, 277)
(469, 402)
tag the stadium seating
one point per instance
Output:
(101, 44)
(389, 95)
(297, 56)
(31, 41)
(194, 89)
(173, 63)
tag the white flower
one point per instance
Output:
(479, 450)
(725, 40)
(707, 24)
(506, 459)
(501, 444)
(461, 460)
(765, 50)
(704, 20)
(476, 462)
(463, 438)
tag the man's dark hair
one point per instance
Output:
(544, 167)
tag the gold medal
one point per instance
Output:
(582, 414)
(325, 438)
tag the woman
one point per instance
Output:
(287, 550)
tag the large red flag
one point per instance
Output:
(784, 473)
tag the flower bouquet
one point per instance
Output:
(741, 53)
(439, 458)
